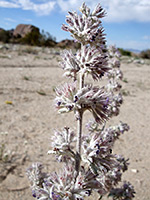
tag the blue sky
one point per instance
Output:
(127, 24)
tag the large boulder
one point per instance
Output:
(22, 29)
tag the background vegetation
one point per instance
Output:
(33, 38)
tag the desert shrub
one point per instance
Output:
(32, 38)
(35, 38)
(6, 155)
(5, 36)
(124, 52)
(145, 54)
(30, 50)
(47, 39)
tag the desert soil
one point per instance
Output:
(27, 119)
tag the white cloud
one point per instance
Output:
(6, 4)
(40, 8)
(69, 5)
(129, 10)
(118, 10)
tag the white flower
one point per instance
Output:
(62, 144)
(86, 28)
(88, 98)
(88, 60)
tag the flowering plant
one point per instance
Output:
(91, 166)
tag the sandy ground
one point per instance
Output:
(27, 119)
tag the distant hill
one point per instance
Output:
(134, 50)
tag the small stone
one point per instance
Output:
(134, 170)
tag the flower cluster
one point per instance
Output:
(63, 185)
(88, 60)
(115, 73)
(113, 76)
(86, 28)
(99, 143)
(36, 177)
(53, 187)
(97, 153)
(62, 144)
(90, 165)
(90, 98)
(70, 64)
(115, 131)
(65, 97)
(125, 192)
(59, 186)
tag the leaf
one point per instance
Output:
(26, 78)
(9, 102)
(93, 168)
(41, 92)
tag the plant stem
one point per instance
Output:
(81, 81)
(79, 131)
(79, 121)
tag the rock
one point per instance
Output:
(22, 29)
(138, 61)
(134, 170)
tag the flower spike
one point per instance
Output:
(89, 164)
